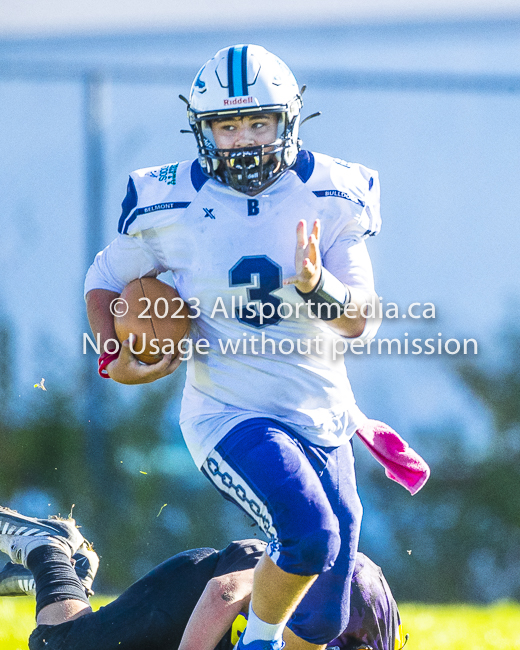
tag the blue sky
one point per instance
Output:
(34, 17)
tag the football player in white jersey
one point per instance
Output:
(267, 402)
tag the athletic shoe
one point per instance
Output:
(86, 566)
(16, 580)
(259, 645)
(19, 535)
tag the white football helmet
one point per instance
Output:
(243, 80)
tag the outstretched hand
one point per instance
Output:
(126, 369)
(307, 258)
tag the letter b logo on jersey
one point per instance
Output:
(253, 207)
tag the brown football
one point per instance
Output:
(156, 314)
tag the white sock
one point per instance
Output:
(260, 630)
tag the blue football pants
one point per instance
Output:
(305, 500)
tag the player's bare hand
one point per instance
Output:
(307, 259)
(127, 369)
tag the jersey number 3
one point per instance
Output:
(263, 277)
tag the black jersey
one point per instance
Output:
(153, 613)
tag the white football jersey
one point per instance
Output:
(229, 250)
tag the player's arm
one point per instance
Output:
(100, 319)
(312, 282)
(123, 260)
(223, 599)
(126, 369)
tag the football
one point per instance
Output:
(156, 314)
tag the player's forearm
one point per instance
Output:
(98, 311)
(126, 369)
(221, 602)
(352, 322)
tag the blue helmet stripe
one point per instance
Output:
(244, 70)
(231, 89)
(237, 72)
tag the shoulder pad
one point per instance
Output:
(154, 189)
(350, 184)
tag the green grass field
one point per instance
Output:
(431, 627)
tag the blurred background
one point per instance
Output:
(426, 93)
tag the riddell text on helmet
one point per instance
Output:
(237, 101)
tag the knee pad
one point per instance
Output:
(312, 553)
(331, 625)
